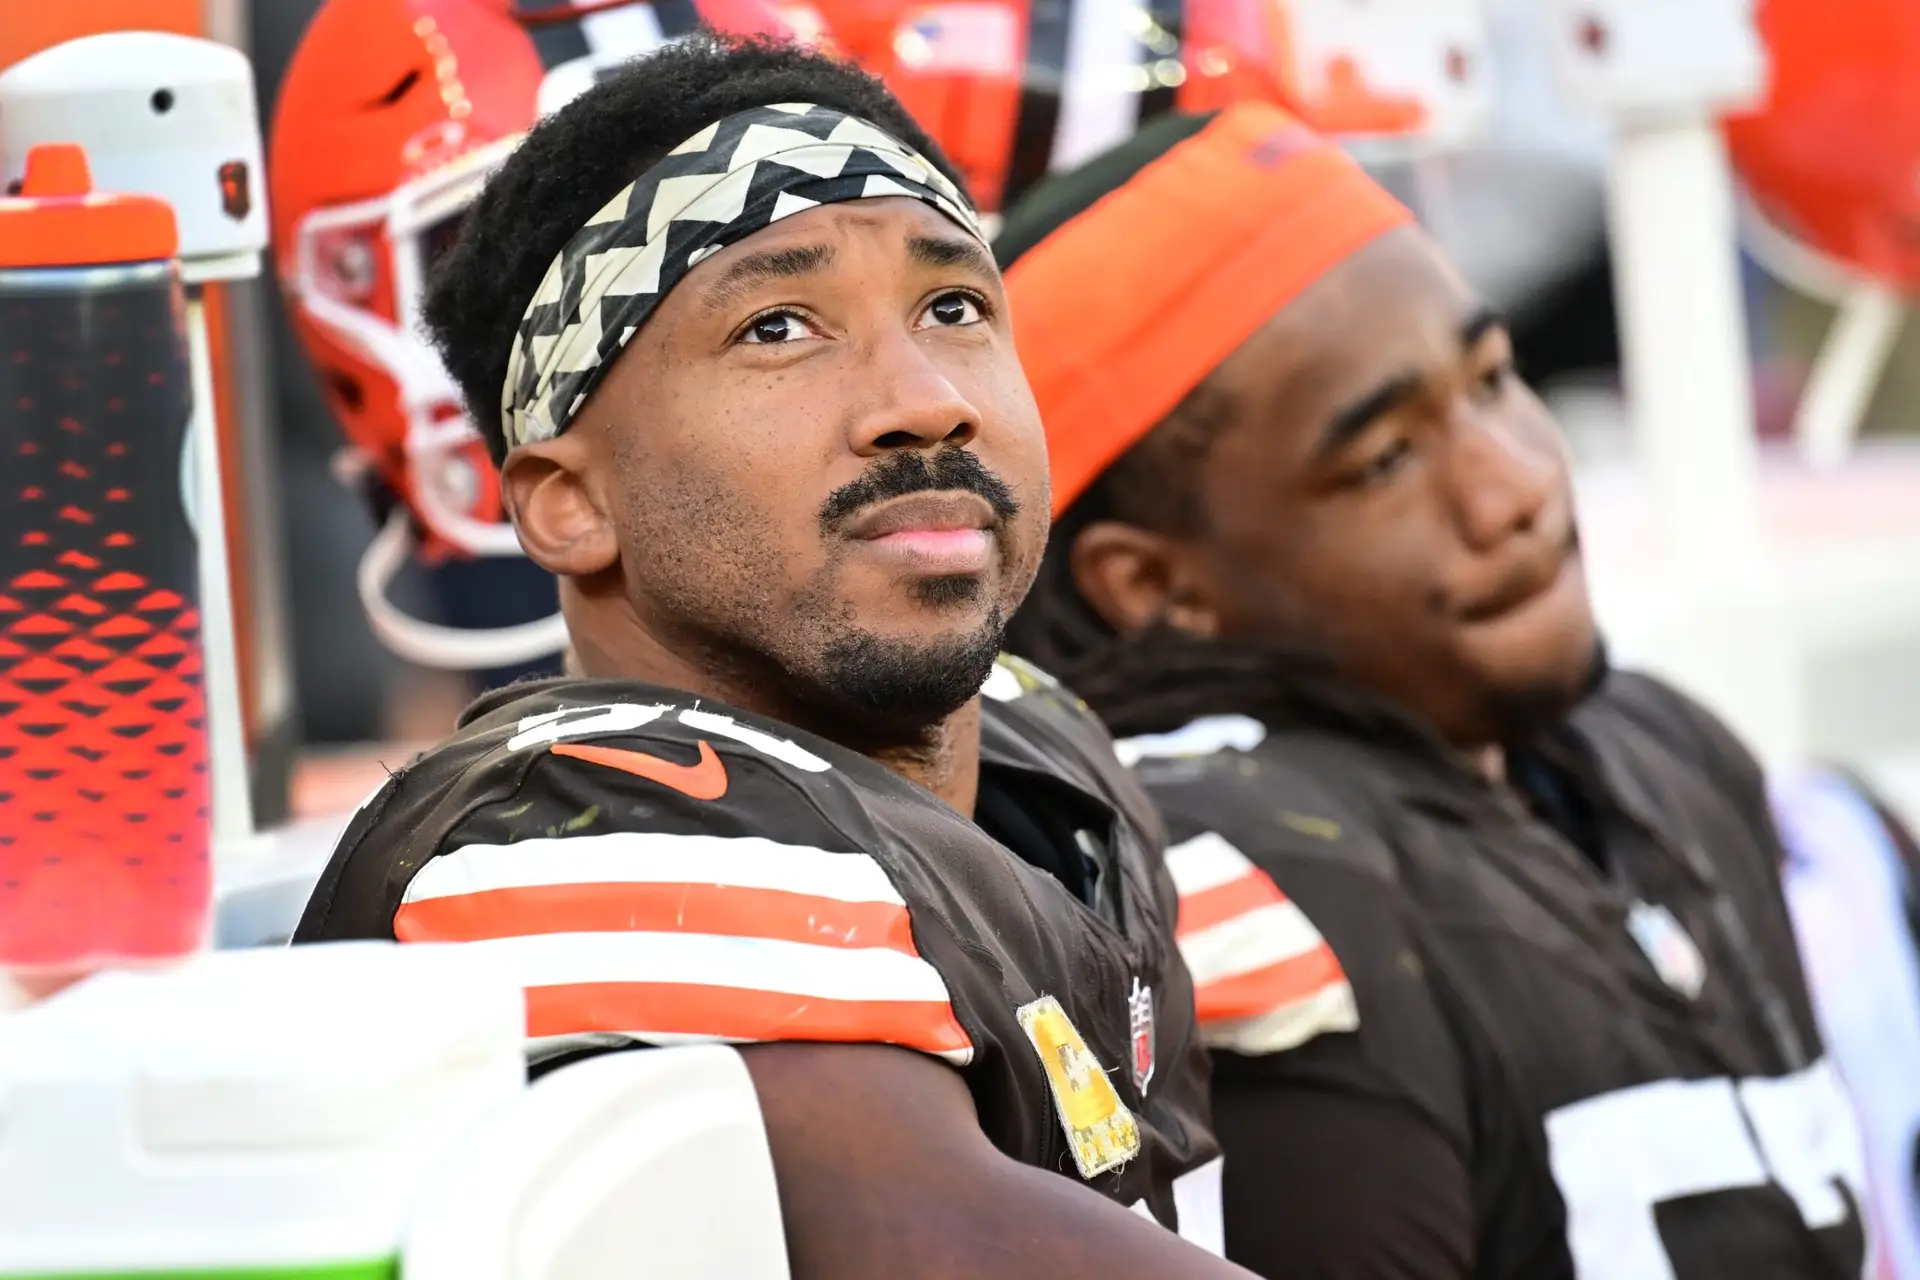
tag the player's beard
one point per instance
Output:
(907, 686)
(910, 683)
(1524, 712)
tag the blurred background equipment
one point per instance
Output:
(1411, 69)
(172, 116)
(390, 118)
(1833, 203)
(105, 838)
(1662, 74)
(1786, 596)
(1016, 89)
(357, 1112)
(1853, 881)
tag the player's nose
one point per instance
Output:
(912, 403)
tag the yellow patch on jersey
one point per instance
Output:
(1031, 678)
(1307, 825)
(1101, 1132)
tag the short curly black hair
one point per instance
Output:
(577, 159)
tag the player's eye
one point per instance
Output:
(951, 310)
(1495, 381)
(776, 327)
(1382, 465)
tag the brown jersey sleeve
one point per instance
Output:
(1340, 1092)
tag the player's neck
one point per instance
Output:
(947, 764)
(943, 758)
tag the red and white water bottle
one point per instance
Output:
(104, 834)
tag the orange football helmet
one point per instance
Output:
(392, 115)
(1014, 89)
(1833, 159)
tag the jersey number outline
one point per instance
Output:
(1197, 1203)
(613, 718)
(1617, 1156)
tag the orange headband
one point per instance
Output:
(1124, 309)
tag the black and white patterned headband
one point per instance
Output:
(733, 178)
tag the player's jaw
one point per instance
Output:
(1531, 648)
(923, 562)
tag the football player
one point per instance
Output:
(731, 329)
(390, 117)
(1489, 939)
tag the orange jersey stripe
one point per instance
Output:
(1249, 995)
(734, 1013)
(1224, 902)
(648, 907)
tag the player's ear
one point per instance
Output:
(562, 516)
(1134, 578)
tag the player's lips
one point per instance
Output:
(1526, 584)
(936, 533)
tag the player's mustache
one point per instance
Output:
(902, 472)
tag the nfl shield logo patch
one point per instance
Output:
(1666, 943)
(1140, 1019)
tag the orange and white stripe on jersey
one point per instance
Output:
(675, 939)
(1264, 980)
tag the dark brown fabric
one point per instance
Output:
(1496, 978)
(1374, 1190)
(1000, 932)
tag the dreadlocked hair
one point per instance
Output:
(1159, 678)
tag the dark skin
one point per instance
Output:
(1388, 493)
(1391, 495)
(682, 512)
(681, 509)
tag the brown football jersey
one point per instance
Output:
(663, 870)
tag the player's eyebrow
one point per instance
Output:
(951, 251)
(1483, 321)
(1346, 425)
(743, 273)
